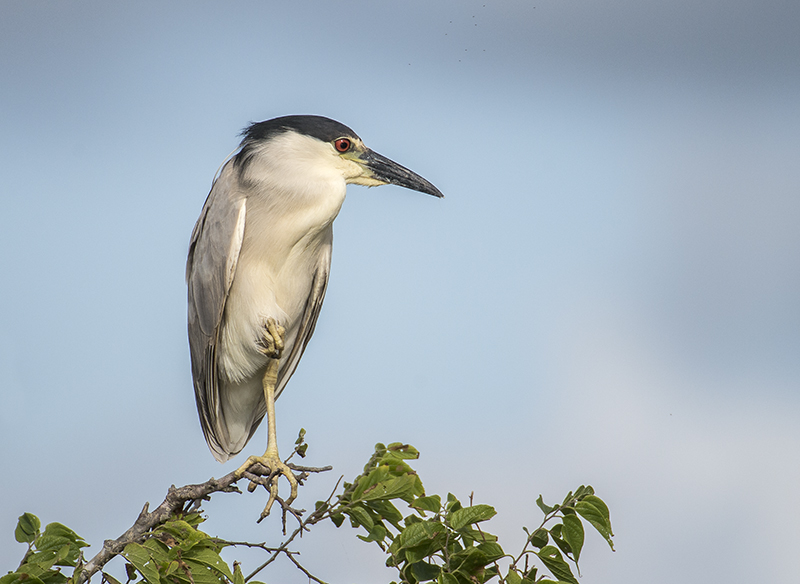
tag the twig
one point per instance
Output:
(310, 468)
(147, 520)
(304, 571)
(263, 545)
(174, 502)
(315, 517)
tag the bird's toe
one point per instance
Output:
(271, 342)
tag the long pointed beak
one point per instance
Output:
(389, 172)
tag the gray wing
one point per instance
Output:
(213, 253)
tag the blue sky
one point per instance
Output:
(608, 294)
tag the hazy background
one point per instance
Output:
(608, 294)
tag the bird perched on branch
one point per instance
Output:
(258, 267)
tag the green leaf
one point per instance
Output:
(376, 533)
(539, 538)
(158, 550)
(446, 579)
(139, 556)
(39, 563)
(238, 577)
(201, 574)
(474, 534)
(432, 503)
(423, 550)
(394, 488)
(551, 558)
(110, 579)
(172, 567)
(51, 543)
(368, 481)
(452, 504)
(182, 536)
(58, 545)
(210, 558)
(20, 578)
(491, 550)
(513, 577)
(560, 541)
(469, 562)
(597, 516)
(337, 519)
(385, 510)
(54, 577)
(11, 577)
(424, 571)
(418, 533)
(359, 516)
(582, 491)
(601, 506)
(529, 577)
(405, 451)
(547, 509)
(573, 534)
(193, 519)
(470, 515)
(417, 554)
(27, 528)
(62, 553)
(59, 530)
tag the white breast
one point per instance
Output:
(291, 205)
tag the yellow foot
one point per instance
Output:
(271, 344)
(274, 467)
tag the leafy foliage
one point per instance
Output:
(178, 553)
(49, 551)
(435, 540)
(449, 546)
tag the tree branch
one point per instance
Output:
(174, 502)
(315, 517)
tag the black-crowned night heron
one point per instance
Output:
(258, 266)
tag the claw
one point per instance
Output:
(276, 467)
(271, 344)
(276, 331)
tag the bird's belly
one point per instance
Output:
(260, 292)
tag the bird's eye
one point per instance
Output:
(342, 144)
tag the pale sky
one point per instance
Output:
(609, 293)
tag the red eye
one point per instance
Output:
(342, 144)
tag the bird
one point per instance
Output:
(258, 266)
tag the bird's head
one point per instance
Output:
(315, 144)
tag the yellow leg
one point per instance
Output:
(271, 459)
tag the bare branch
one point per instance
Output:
(315, 517)
(263, 545)
(304, 571)
(175, 502)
